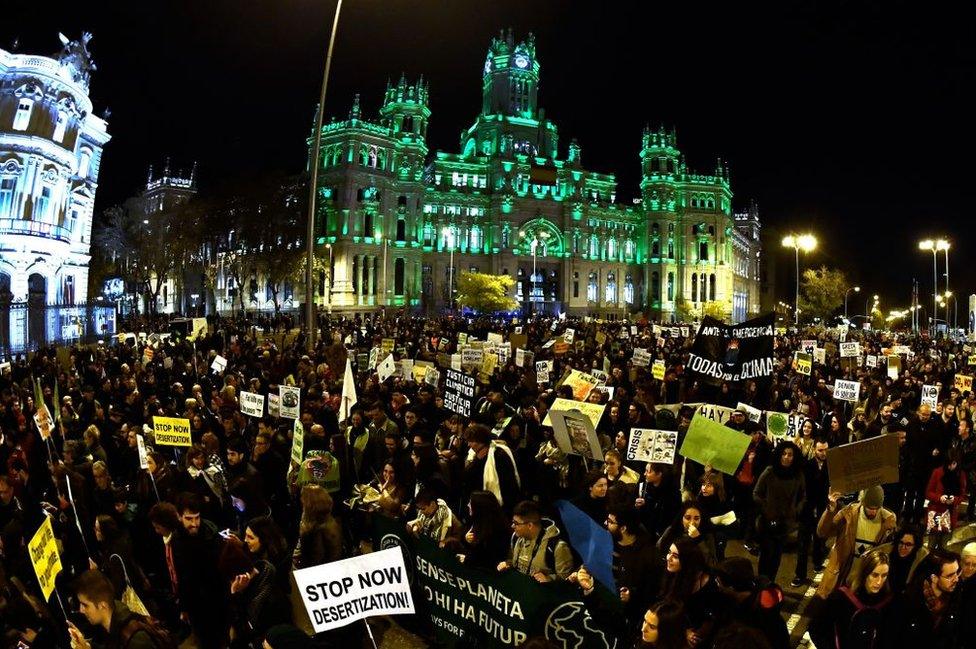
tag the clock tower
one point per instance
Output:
(510, 80)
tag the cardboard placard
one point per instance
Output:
(581, 383)
(930, 396)
(592, 410)
(43, 549)
(752, 414)
(658, 370)
(386, 368)
(859, 465)
(847, 390)
(641, 358)
(575, 434)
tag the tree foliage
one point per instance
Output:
(822, 292)
(485, 293)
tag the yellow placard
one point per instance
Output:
(963, 383)
(44, 555)
(581, 382)
(488, 363)
(593, 411)
(657, 370)
(172, 431)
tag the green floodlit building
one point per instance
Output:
(390, 215)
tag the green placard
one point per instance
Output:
(709, 442)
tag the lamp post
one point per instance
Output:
(944, 245)
(450, 271)
(328, 288)
(542, 234)
(935, 247)
(312, 187)
(856, 289)
(806, 243)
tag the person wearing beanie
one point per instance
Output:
(856, 529)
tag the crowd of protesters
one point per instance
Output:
(197, 545)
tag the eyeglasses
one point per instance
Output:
(519, 523)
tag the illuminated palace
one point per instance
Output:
(391, 219)
(50, 150)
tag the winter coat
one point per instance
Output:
(530, 556)
(842, 527)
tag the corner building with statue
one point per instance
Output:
(395, 225)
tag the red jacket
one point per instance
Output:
(934, 493)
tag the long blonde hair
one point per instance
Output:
(316, 507)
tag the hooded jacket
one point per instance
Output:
(842, 526)
(780, 491)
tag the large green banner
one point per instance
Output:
(491, 609)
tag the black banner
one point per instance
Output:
(731, 353)
(494, 610)
(458, 392)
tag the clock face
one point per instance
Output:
(521, 61)
(487, 66)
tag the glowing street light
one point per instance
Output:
(856, 289)
(806, 243)
(935, 246)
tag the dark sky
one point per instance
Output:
(849, 119)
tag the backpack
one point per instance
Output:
(158, 635)
(550, 551)
(867, 620)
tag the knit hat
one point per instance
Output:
(872, 497)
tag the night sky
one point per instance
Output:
(848, 119)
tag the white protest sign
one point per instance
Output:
(569, 335)
(432, 376)
(820, 355)
(685, 332)
(252, 404)
(846, 390)
(406, 368)
(141, 446)
(523, 358)
(290, 400)
(753, 414)
(219, 363)
(386, 369)
(274, 405)
(472, 357)
(495, 338)
(842, 334)
(650, 445)
(849, 350)
(543, 366)
(871, 361)
(339, 593)
(456, 362)
(930, 395)
(807, 346)
(721, 414)
(642, 358)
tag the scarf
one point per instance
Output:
(491, 472)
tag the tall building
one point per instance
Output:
(50, 150)
(182, 290)
(513, 201)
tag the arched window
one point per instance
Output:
(694, 287)
(655, 286)
(611, 248)
(711, 287)
(594, 245)
(428, 234)
(702, 251)
(505, 232)
(629, 290)
(670, 287)
(592, 288)
(475, 239)
(655, 230)
(610, 295)
(372, 157)
(401, 232)
(60, 127)
(671, 249)
(655, 248)
(450, 237)
(368, 225)
(398, 276)
(23, 115)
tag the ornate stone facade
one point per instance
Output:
(397, 231)
(50, 150)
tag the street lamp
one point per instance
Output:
(935, 246)
(328, 288)
(856, 289)
(806, 243)
(541, 234)
(447, 232)
(312, 187)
